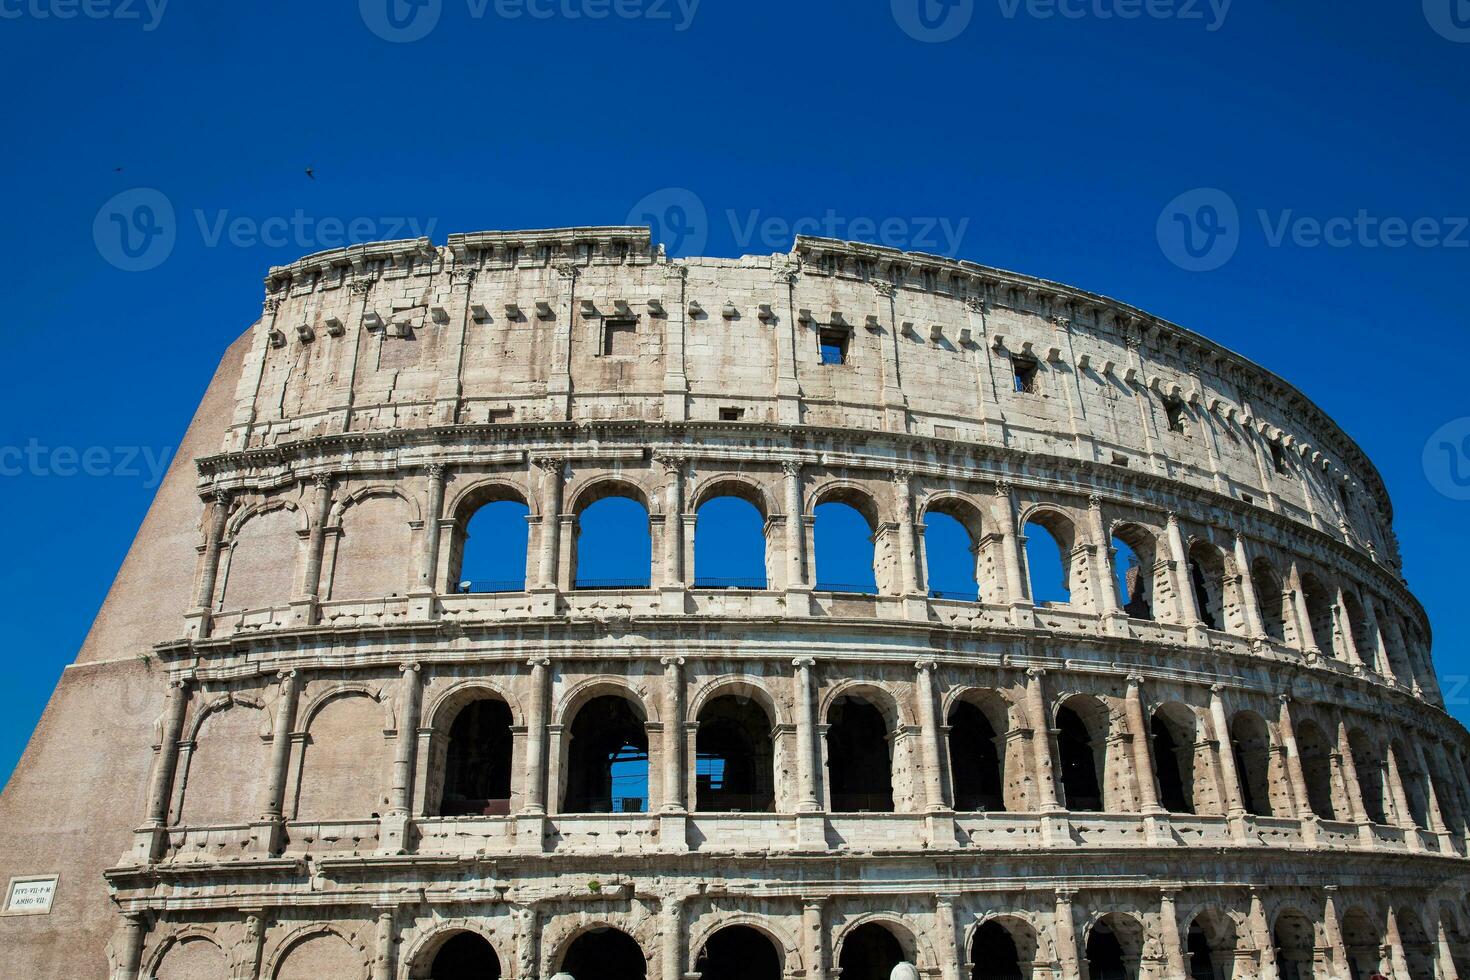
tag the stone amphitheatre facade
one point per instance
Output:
(296, 747)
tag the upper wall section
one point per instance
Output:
(587, 324)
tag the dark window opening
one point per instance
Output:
(994, 954)
(734, 757)
(833, 343)
(738, 953)
(466, 956)
(1252, 748)
(975, 764)
(607, 760)
(732, 414)
(1026, 370)
(1105, 955)
(1201, 957)
(1278, 459)
(1174, 792)
(620, 337)
(870, 952)
(1175, 411)
(1080, 784)
(1204, 595)
(858, 765)
(477, 766)
(605, 953)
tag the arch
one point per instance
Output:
(1210, 945)
(978, 730)
(610, 485)
(870, 947)
(1050, 539)
(1174, 734)
(420, 952)
(441, 707)
(604, 951)
(228, 751)
(606, 758)
(1114, 947)
(1271, 598)
(476, 766)
(612, 539)
(739, 952)
(1083, 723)
(341, 758)
(1295, 941)
(953, 529)
(734, 756)
(462, 954)
(372, 556)
(1371, 785)
(859, 755)
(1250, 740)
(730, 543)
(263, 541)
(739, 685)
(312, 952)
(772, 930)
(190, 954)
(496, 513)
(572, 700)
(1362, 941)
(1207, 573)
(1357, 625)
(846, 559)
(478, 492)
(1316, 751)
(1002, 948)
(1412, 778)
(1319, 614)
(1418, 947)
(1136, 570)
(744, 488)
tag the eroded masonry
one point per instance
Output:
(1177, 717)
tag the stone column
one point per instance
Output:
(1265, 942)
(383, 948)
(806, 736)
(1255, 628)
(673, 735)
(1404, 816)
(1036, 707)
(673, 573)
(1307, 641)
(209, 570)
(536, 737)
(130, 947)
(947, 932)
(429, 552)
(272, 807)
(1104, 583)
(552, 474)
(795, 561)
(1352, 789)
(1005, 510)
(671, 935)
(1064, 936)
(1148, 792)
(1394, 940)
(321, 512)
(903, 501)
(168, 752)
(814, 938)
(1332, 928)
(1301, 801)
(1353, 655)
(409, 696)
(929, 718)
(1183, 581)
(1169, 933)
(1444, 953)
(1432, 805)
(1225, 751)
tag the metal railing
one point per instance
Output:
(962, 595)
(610, 583)
(483, 586)
(847, 588)
(708, 582)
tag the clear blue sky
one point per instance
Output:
(1055, 144)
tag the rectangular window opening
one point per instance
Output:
(732, 414)
(1175, 409)
(1278, 458)
(833, 343)
(1026, 372)
(620, 337)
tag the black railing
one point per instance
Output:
(611, 583)
(707, 582)
(606, 804)
(482, 586)
(963, 595)
(847, 588)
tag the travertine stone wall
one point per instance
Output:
(1277, 777)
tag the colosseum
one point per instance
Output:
(1177, 719)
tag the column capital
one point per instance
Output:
(902, 477)
(1003, 488)
(672, 661)
(1285, 697)
(791, 467)
(1217, 689)
(321, 481)
(1065, 895)
(549, 464)
(807, 662)
(539, 662)
(410, 666)
(1135, 681)
(926, 666)
(435, 470)
(1036, 672)
(1094, 500)
(672, 463)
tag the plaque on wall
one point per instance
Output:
(30, 896)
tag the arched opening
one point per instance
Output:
(950, 551)
(611, 545)
(734, 757)
(320, 955)
(607, 759)
(738, 953)
(843, 539)
(1049, 539)
(604, 952)
(1319, 614)
(993, 954)
(1251, 742)
(1113, 948)
(490, 541)
(870, 952)
(976, 753)
(1135, 558)
(466, 956)
(192, 958)
(1082, 730)
(1210, 947)
(1295, 943)
(729, 544)
(1371, 784)
(1363, 943)
(1412, 779)
(477, 761)
(1357, 619)
(1316, 757)
(859, 762)
(1270, 597)
(1172, 729)
(1418, 950)
(1207, 573)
